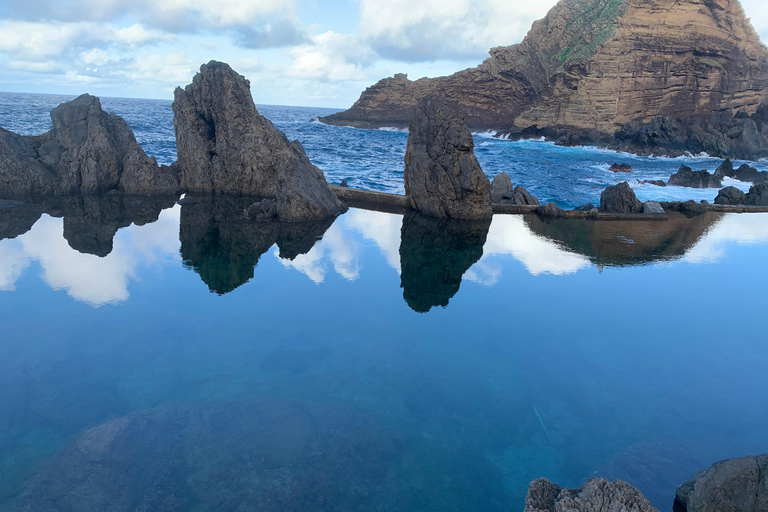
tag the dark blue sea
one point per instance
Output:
(179, 358)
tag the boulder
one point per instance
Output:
(596, 495)
(731, 195)
(442, 176)
(653, 208)
(344, 184)
(620, 168)
(688, 208)
(733, 485)
(585, 208)
(87, 151)
(757, 195)
(226, 147)
(620, 199)
(687, 177)
(550, 210)
(521, 196)
(725, 170)
(658, 183)
(501, 188)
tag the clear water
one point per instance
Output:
(164, 357)
(373, 159)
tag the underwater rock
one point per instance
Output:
(733, 485)
(687, 177)
(442, 176)
(595, 495)
(434, 255)
(620, 199)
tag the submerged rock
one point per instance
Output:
(88, 151)
(442, 176)
(733, 485)
(226, 147)
(596, 495)
(620, 199)
(731, 195)
(687, 177)
(620, 168)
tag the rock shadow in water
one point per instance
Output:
(90, 221)
(223, 247)
(434, 255)
(626, 243)
(252, 455)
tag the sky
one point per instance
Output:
(295, 52)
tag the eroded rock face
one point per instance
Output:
(442, 176)
(596, 495)
(733, 485)
(592, 67)
(88, 151)
(687, 177)
(226, 147)
(620, 199)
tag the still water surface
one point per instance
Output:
(180, 358)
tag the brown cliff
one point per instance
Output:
(593, 66)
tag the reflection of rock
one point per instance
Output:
(88, 151)
(266, 456)
(738, 485)
(622, 243)
(90, 221)
(434, 255)
(224, 247)
(227, 147)
(442, 176)
(596, 495)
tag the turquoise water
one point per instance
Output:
(201, 362)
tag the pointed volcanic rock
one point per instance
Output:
(226, 147)
(596, 494)
(442, 176)
(87, 151)
(687, 177)
(620, 199)
(591, 67)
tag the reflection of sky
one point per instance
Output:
(98, 281)
(85, 277)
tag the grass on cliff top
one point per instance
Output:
(593, 26)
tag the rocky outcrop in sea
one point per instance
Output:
(620, 199)
(442, 176)
(597, 494)
(88, 151)
(504, 192)
(687, 177)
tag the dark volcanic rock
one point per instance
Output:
(658, 183)
(620, 168)
(550, 210)
(688, 208)
(88, 151)
(596, 495)
(521, 196)
(725, 169)
(734, 485)
(585, 207)
(731, 195)
(434, 255)
(501, 188)
(620, 199)
(687, 177)
(758, 195)
(442, 176)
(226, 147)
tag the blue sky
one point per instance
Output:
(295, 52)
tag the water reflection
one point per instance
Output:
(223, 247)
(434, 255)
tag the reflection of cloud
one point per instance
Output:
(381, 228)
(88, 278)
(342, 251)
(733, 228)
(13, 262)
(510, 236)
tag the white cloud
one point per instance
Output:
(138, 34)
(336, 246)
(13, 262)
(733, 228)
(381, 228)
(331, 56)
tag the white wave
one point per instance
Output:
(392, 129)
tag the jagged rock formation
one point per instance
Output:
(731, 195)
(733, 485)
(226, 147)
(503, 192)
(88, 151)
(596, 495)
(687, 177)
(442, 176)
(758, 195)
(620, 199)
(620, 168)
(592, 67)
(743, 173)
(688, 208)
(434, 255)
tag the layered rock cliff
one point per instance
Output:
(594, 66)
